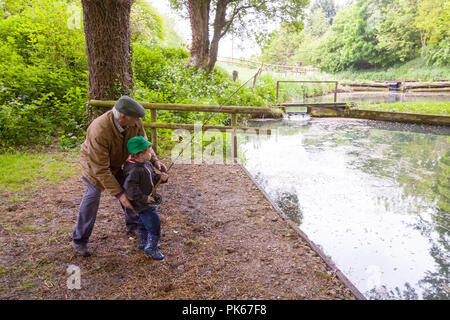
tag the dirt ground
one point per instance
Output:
(220, 236)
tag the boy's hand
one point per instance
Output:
(160, 166)
(164, 177)
(125, 199)
(150, 199)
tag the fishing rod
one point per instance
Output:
(158, 197)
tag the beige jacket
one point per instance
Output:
(105, 151)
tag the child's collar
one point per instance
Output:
(132, 160)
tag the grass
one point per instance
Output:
(442, 108)
(26, 171)
(416, 69)
(290, 91)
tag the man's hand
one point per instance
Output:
(164, 177)
(125, 200)
(160, 166)
(150, 199)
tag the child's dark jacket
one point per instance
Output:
(140, 177)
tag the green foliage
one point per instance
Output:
(433, 20)
(44, 83)
(368, 34)
(396, 35)
(43, 86)
(163, 76)
(411, 107)
(145, 22)
(439, 54)
(281, 46)
(415, 69)
(261, 12)
(328, 7)
(318, 24)
(352, 41)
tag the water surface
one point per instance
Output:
(384, 97)
(372, 195)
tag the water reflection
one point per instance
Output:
(289, 203)
(383, 97)
(374, 197)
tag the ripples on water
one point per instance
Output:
(373, 195)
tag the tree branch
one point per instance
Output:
(230, 21)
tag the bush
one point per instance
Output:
(162, 75)
(439, 55)
(43, 85)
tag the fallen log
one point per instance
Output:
(426, 85)
(370, 85)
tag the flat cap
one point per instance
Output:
(129, 107)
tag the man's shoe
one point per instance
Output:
(81, 250)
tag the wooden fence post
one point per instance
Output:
(154, 136)
(335, 91)
(233, 135)
(278, 88)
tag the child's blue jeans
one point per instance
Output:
(149, 221)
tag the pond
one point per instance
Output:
(373, 195)
(383, 97)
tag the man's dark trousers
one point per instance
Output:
(87, 214)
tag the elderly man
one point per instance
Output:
(102, 155)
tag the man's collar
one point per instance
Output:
(118, 126)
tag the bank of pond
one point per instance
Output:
(372, 194)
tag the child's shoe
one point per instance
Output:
(152, 247)
(156, 254)
(143, 237)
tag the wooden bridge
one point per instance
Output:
(326, 108)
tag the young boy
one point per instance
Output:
(140, 178)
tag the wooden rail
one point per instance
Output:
(338, 107)
(273, 67)
(232, 110)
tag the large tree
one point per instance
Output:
(328, 7)
(108, 35)
(238, 16)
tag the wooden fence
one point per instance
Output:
(273, 67)
(232, 110)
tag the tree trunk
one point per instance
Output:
(423, 41)
(219, 24)
(108, 35)
(199, 18)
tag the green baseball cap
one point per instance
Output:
(137, 144)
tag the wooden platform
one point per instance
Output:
(324, 108)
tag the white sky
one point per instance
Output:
(228, 47)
